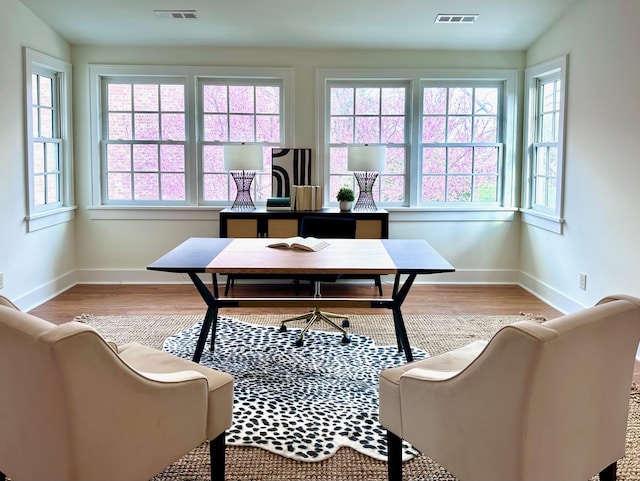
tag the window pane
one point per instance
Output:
(215, 98)
(119, 97)
(146, 126)
(118, 157)
(173, 127)
(241, 128)
(548, 128)
(434, 101)
(393, 101)
(172, 158)
(433, 130)
(119, 186)
(216, 187)
(46, 123)
(459, 188)
(392, 130)
(172, 98)
(38, 157)
(485, 189)
(146, 98)
(460, 101)
(486, 101)
(395, 160)
(267, 128)
(146, 186)
(342, 101)
(53, 157)
(120, 127)
(216, 128)
(145, 158)
(213, 158)
(38, 190)
(486, 160)
(460, 160)
(267, 100)
(341, 130)
(173, 186)
(241, 99)
(433, 188)
(391, 188)
(485, 129)
(53, 188)
(367, 101)
(45, 92)
(367, 130)
(434, 160)
(459, 129)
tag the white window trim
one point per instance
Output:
(192, 75)
(40, 218)
(414, 77)
(554, 221)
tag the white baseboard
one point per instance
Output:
(548, 294)
(47, 291)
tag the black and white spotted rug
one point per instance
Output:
(299, 402)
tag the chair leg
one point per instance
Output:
(394, 457)
(217, 454)
(609, 473)
(378, 282)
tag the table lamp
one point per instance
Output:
(243, 161)
(365, 163)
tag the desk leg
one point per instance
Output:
(398, 321)
(210, 321)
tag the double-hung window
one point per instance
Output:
(372, 113)
(449, 135)
(544, 151)
(161, 131)
(461, 148)
(48, 132)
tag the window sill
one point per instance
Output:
(42, 220)
(424, 214)
(542, 221)
(396, 214)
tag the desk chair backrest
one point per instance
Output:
(328, 227)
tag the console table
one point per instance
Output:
(286, 223)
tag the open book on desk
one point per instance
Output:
(303, 243)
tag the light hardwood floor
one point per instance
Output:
(102, 300)
(184, 299)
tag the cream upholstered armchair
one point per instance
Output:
(537, 402)
(74, 407)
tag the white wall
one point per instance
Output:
(119, 250)
(602, 176)
(35, 265)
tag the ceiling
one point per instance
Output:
(376, 24)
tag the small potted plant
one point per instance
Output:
(346, 197)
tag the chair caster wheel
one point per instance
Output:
(283, 328)
(299, 343)
(346, 339)
(345, 323)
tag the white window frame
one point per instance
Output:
(415, 77)
(47, 215)
(549, 219)
(192, 209)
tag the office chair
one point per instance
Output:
(323, 227)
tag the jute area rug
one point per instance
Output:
(433, 333)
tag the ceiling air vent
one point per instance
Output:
(456, 18)
(176, 14)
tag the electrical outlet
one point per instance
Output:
(583, 281)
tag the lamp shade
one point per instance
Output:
(366, 159)
(243, 157)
